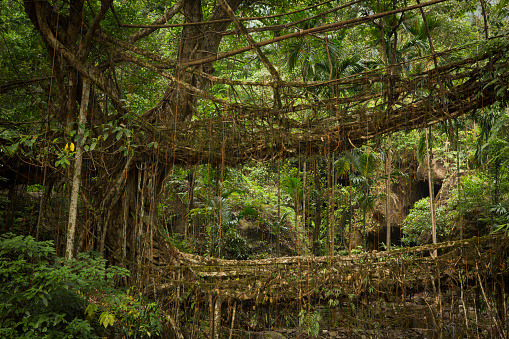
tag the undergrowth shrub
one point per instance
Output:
(310, 323)
(417, 225)
(44, 296)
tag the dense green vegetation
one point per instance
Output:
(45, 296)
(118, 141)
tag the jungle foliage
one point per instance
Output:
(139, 135)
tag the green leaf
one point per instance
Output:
(502, 4)
(90, 310)
(106, 319)
(13, 148)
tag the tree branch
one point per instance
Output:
(85, 44)
(168, 14)
(82, 67)
(324, 28)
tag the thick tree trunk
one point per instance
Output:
(178, 102)
(130, 183)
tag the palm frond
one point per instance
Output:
(342, 166)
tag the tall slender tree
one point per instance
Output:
(429, 161)
(76, 181)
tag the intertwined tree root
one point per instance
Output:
(286, 278)
(464, 285)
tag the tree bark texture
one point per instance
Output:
(76, 180)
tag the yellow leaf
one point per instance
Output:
(66, 147)
(72, 147)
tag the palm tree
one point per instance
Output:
(361, 166)
(366, 164)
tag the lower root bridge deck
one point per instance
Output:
(480, 264)
(269, 280)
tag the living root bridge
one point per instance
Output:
(380, 104)
(408, 270)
